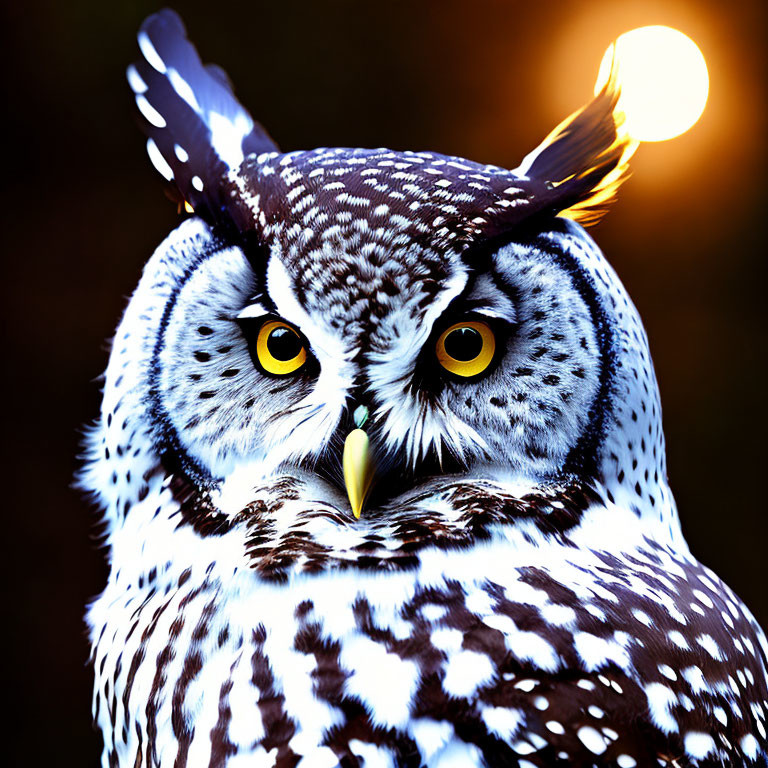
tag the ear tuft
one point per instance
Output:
(585, 160)
(197, 130)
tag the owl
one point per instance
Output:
(382, 468)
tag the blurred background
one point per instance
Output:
(485, 79)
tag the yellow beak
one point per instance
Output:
(358, 469)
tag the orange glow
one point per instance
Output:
(663, 78)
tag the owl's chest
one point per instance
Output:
(219, 664)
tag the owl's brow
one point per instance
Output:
(495, 311)
(253, 311)
(484, 296)
(502, 313)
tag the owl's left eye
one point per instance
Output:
(467, 348)
(279, 348)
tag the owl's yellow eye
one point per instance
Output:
(279, 348)
(466, 348)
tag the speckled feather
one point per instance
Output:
(517, 593)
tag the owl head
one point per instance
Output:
(430, 341)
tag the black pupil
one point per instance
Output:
(464, 344)
(283, 344)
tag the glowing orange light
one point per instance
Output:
(188, 208)
(663, 78)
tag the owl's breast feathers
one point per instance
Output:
(477, 655)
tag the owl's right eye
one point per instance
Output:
(279, 348)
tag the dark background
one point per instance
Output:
(83, 210)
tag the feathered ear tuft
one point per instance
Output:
(197, 130)
(585, 160)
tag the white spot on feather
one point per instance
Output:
(720, 714)
(430, 735)
(152, 116)
(502, 721)
(134, 80)
(560, 615)
(592, 740)
(446, 639)
(466, 671)
(707, 642)
(227, 136)
(528, 646)
(660, 701)
(668, 672)
(457, 754)
(678, 639)
(150, 54)
(383, 681)
(372, 755)
(155, 156)
(183, 89)
(433, 612)
(481, 603)
(698, 744)
(532, 647)
(750, 746)
(704, 598)
(596, 652)
(642, 617)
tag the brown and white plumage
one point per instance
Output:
(517, 590)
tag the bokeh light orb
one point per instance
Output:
(663, 78)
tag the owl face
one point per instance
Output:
(451, 314)
(473, 360)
